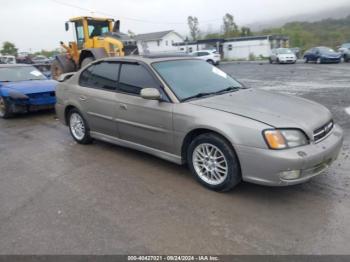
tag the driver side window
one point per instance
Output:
(79, 34)
(133, 78)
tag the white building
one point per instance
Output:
(238, 48)
(158, 42)
(242, 48)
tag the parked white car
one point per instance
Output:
(283, 56)
(211, 56)
(7, 59)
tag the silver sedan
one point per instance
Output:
(187, 111)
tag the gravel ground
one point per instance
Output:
(58, 197)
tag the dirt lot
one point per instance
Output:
(58, 197)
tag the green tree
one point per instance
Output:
(48, 53)
(245, 31)
(230, 28)
(213, 36)
(193, 25)
(327, 32)
(8, 48)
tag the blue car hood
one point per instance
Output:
(31, 87)
(336, 55)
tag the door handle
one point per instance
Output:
(82, 98)
(123, 106)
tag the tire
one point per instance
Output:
(214, 175)
(270, 60)
(78, 127)
(346, 58)
(210, 62)
(86, 61)
(306, 60)
(56, 69)
(278, 61)
(319, 61)
(5, 111)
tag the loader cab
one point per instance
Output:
(86, 28)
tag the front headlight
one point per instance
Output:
(285, 138)
(17, 95)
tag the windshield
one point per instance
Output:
(188, 78)
(98, 28)
(20, 73)
(284, 51)
(326, 50)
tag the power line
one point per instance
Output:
(130, 18)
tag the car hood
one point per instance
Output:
(31, 87)
(286, 55)
(276, 110)
(335, 55)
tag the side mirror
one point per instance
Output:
(150, 94)
(116, 27)
(65, 77)
(66, 25)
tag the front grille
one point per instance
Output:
(41, 95)
(323, 131)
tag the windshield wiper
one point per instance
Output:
(197, 96)
(228, 89)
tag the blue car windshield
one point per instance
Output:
(20, 73)
(326, 50)
(190, 78)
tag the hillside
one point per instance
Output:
(335, 13)
(327, 32)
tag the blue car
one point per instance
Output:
(23, 88)
(322, 55)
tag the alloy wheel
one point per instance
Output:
(210, 164)
(77, 126)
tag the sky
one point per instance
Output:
(39, 24)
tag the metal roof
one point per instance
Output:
(233, 39)
(153, 36)
(77, 18)
(246, 38)
(146, 59)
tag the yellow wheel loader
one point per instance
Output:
(95, 38)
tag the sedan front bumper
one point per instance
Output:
(287, 61)
(265, 166)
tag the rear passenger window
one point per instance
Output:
(102, 76)
(135, 77)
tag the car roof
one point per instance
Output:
(13, 65)
(147, 59)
